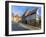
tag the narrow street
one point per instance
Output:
(17, 27)
(21, 27)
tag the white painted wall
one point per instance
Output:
(31, 17)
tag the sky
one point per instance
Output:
(21, 9)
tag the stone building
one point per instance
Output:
(16, 18)
(31, 17)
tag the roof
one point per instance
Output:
(27, 12)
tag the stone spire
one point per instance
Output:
(16, 13)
